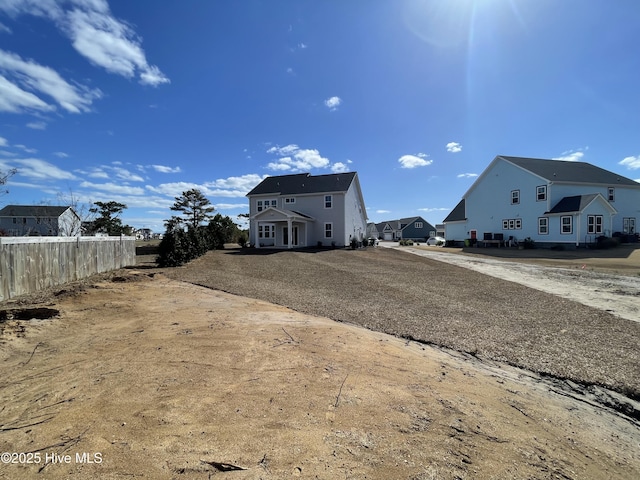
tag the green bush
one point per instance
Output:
(406, 242)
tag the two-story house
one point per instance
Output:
(550, 201)
(410, 228)
(290, 211)
(39, 220)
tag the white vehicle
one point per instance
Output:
(436, 241)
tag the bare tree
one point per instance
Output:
(4, 178)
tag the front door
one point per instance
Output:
(294, 231)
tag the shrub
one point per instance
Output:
(528, 243)
(406, 242)
(242, 240)
(606, 242)
(172, 251)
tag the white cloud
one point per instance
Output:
(467, 175)
(632, 163)
(124, 174)
(39, 169)
(339, 167)
(414, 161)
(243, 183)
(279, 166)
(286, 150)
(383, 211)
(302, 46)
(572, 155)
(165, 169)
(114, 188)
(37, 125)
(3, 142)
(15, 100)
(231, 206)
(4, 28)
(104, 40)
(454, 147)
(231, 187)
(25, 148)
(60, 154)
(429, 210)
(333, 103)
(29, 80)
(296, 159)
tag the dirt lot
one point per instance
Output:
(157, 378)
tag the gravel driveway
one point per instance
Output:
(437, 303)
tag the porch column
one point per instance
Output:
(256, 243)
(290, 232)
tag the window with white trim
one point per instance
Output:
(419, 225)
(267, 230)
(566, 225)
(629, 225)
(611, 194)
(594, 224)
(543, 225)
(512, 224)
(541, 193)
(328, 201)
(264, 204)
(289, 200)
(515, 197)
(328, 230)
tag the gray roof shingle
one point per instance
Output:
(458, 213)
(566, 171)
(33, 211)
(302, 183)
(574, 203)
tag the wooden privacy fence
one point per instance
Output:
(29, 264)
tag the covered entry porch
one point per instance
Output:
(278, 228)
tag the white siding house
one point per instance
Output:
(302, 210)
(39, 220)
(550, 201)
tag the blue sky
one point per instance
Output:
(138, 100)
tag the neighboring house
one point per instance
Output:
(410, 228)
(290, 211)
(39, 220)
(550, 201)
(143, 234)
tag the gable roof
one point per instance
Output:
(401, 224)
(302, 183)
(283, 213)
(566, 171)
(577, 203)
(33, 211)
(458, 213)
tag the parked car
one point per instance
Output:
(436, 241)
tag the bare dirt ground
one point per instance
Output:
(608, 280)
(150, 377)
